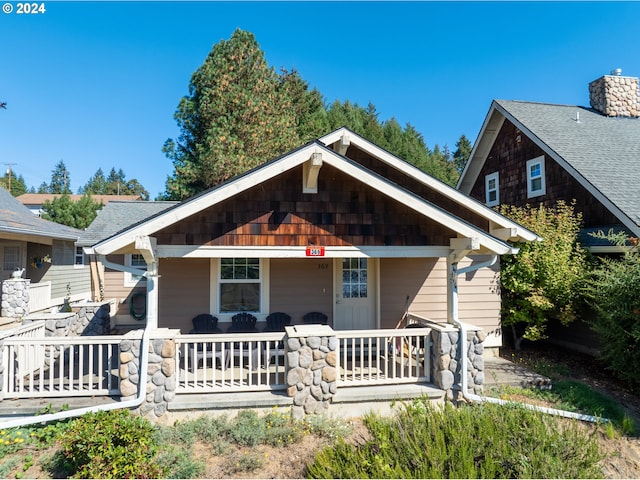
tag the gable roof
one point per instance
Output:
(116, 216)
(16, 219)
(124, 238)
(602, 153)
(344, 135)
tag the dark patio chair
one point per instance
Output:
(243, 322)
(315, 317)
(276, 322)
(204, 323)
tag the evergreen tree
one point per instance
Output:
(462, 153)
(60, 179)
(234, 118)
(13, 183)
(115, 184)
(65, 211)
(96, 184)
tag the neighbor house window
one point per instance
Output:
(134, 260)
(535, 177)
(492, 189)
(11, 258)
(79, 257)
(240, 284)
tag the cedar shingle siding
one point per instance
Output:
(277, 213)
(509, 157)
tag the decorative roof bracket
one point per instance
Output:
(310, 171)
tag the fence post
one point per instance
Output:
(311, 368)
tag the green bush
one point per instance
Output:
(249, 429)
(479, 441)
(615, 295)
(113, 444)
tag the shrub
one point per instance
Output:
(475, 441)
(113, 444)
(248, 429)
(615, 295)
(544, 279)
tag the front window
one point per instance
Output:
(240, 285)
(535, 177)
(492, 189)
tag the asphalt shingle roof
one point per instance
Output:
(17, 218)
(604, 150)
(117, 216)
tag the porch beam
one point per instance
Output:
(461, 247)
(310, 171)
(147, 245)
(504, 233)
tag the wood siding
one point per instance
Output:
(61, 272)
(302, 285)
(114, 288)
(424, 281)
(276, 213)
(509, 157)
(183, 291)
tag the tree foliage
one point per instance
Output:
(234, 118)
(614, 293)
(65, 211)
(13, 183)
(115, 184)
(240, 113)
(544, 280)
(60, 180)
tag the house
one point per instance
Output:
(34, 201)
(538, 153)
(338, 226)
(46, 254)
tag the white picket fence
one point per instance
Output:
(39, 296)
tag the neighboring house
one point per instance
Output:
(34, 201)
(538, 153)
(46, 251)
(338, 225)
(532, 153)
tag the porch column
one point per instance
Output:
(452, 289)
(15, 298)
(152, 298)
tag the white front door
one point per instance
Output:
(355, 287)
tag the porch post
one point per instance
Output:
(152, 298)
(452, 289)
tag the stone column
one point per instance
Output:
(160, 384)
(311, 368)
(15, 298)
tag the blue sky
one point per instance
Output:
(96, 84)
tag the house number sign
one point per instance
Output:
(315, 252)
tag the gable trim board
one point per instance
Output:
(498, 113)
(122, 241)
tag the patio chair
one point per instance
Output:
(245, 322)
(276, 322)
(205, 323)
(315, 317)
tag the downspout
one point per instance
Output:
(142, 383)
(464, 387)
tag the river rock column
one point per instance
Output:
(15, 298)
(311, 368)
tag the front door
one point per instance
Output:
(355, 301)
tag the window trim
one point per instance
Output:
(492, 176)
(543, 186)
(215, 276)
(78, 255)
(129, 280)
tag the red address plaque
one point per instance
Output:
(315, 252)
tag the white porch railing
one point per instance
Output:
(379, 357)
(28, 359)
(67, 366)
(39, 296)
(230, 362)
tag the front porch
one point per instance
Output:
(312, 368)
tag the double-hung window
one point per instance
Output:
(79, 257)
(492, 189)
(240, 285)
(535, 177)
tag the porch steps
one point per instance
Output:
(32, 406)
(228, 401)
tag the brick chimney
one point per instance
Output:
(615, 96)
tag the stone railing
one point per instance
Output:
(15, 298)
(87, 319)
